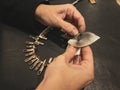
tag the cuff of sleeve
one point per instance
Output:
(26, 13)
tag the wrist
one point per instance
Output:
(55, 84)
(50, 84)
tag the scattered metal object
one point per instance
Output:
(92, 1)
(118, 2)
(75, 2)
(50, 60)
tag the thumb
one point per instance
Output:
(69, 53)
(68, 27)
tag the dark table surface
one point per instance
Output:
(102, 18)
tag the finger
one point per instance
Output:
(77, 59)
(70, 53)
(80, 20)
(86, 55)
(68, 27)
(86, 52)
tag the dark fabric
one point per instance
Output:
(14, 72)
(20, 13)
(101, 19)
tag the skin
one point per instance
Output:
(68, 71)
(65, 16)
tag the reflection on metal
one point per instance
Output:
(83, 39)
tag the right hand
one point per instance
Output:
(61, 74)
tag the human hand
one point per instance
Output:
(69, 72)
(65, 16)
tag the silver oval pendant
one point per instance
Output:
(83, 39)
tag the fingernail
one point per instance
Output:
(75, 32)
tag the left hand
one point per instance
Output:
(65, 16)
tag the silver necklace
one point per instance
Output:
(33, 60)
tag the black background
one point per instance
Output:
(103, 18)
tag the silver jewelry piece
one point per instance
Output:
(30, 52)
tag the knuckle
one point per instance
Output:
(69, 5)
(65, 26)
(71, 30)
